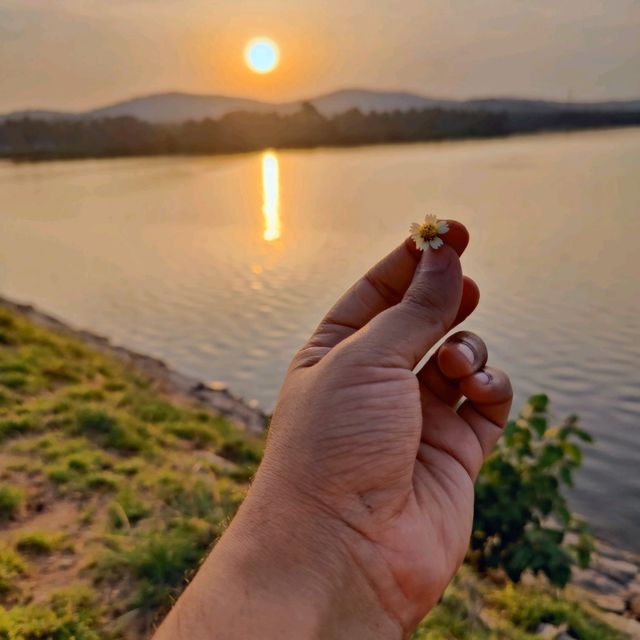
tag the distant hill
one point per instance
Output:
(366, 101)
(175, 107)
(39, 114)
(179, 107)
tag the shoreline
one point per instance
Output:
(214, 396)
(611, 584)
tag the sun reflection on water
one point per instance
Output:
(271, 196)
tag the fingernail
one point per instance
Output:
(435, 260)
(467, 352)
(483, 377)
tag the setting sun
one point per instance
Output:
(261, 55)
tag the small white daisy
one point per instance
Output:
(428, 233)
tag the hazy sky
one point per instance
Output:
(75, 54)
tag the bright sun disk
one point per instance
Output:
(261, 55)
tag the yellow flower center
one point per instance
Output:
(428, 231)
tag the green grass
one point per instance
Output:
(159, 561)
(12, 565)
(472, 609)
(11, 501)
(13, 426)
(128, 509)
(86, 432)
(70, 614)
(113, 430)
(42, 543)
(527, 608)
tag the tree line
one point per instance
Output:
(33, 139)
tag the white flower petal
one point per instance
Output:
(443, 227)
(436, 243)
(420, 243)
(414, 227)
(430, 219)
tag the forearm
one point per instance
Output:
(278, 575)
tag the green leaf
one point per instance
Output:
(584, 436)
(566, 476)
(539, 402)
(551, 453)
(573, 451)
(538, 424)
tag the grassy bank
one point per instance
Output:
(111, 493)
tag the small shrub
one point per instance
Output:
(199, 433)
(41, 543)
(118, 516)
(81, 470)
(240, 450)
(14, 365)
(59, 371)
(86, 394)
(79, 464)
(60, 475)
(155, 411)
(521, 517)
(159, 561)
(14, 379)
(7, 397)
(11, 566)
(11, 499)
(115, 431)
(10, 427)
(93, 420)
(163, 559)
(71, 614)
(127, 509)
(196, 498)
(114, 385)
(242, 473)
(105, 481)
(129, 467)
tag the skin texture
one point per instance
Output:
(361, 511)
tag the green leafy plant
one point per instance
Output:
(527, 608)
(12, 565)
(42, 543)
(11, 499)
(476, 609)
(127, 509)
(521, 518)
(72, 614)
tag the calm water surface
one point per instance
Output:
(223, 265)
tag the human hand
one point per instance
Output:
(361, 511)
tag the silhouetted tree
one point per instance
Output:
(28, 138)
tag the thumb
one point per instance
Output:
(402, 334)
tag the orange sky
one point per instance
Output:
(76, 54)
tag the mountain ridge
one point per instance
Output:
(177, 106)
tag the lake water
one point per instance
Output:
(223, 265)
